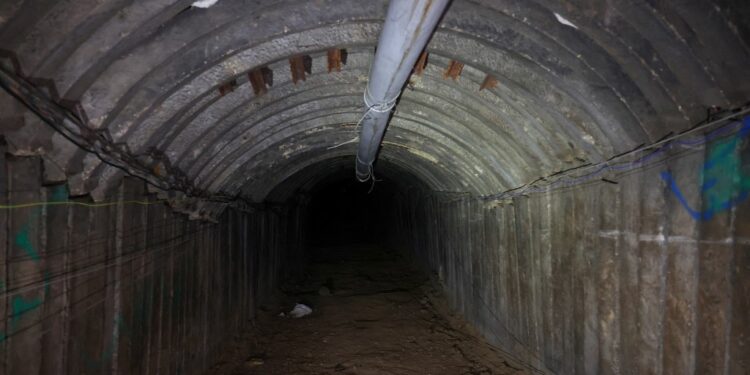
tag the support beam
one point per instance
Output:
(227, 87)
(298, 66)
(421, 64)
(336, 58)
(93, 141)
(488, 83)
(454, 70)
(261, 79)
(408, 26)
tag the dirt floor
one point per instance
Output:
(372, 314)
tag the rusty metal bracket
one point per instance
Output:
(421, 64)
(227, 87)
(299, 65)
(261, 79)
(454, 70)
(488, 83)
(336, 58)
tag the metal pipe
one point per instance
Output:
(408, 26)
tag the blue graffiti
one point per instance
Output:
(724, 184)
(20, 305)
(23, 241)
(23, 237)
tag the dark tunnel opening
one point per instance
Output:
(370, 298)
(345, 211)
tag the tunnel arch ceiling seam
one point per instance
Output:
(463, 181)
(481, 25)
(274, 128)
(214, 127)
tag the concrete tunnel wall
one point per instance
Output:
(602, 278)
(126, 285)
(616, 273)
(597, 278)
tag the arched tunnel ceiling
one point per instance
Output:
(576, 82)
(310, 179)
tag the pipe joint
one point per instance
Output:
(364, 170)
(380, 107)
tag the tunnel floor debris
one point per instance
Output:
(380, 316)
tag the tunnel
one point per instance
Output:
(568, 179)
